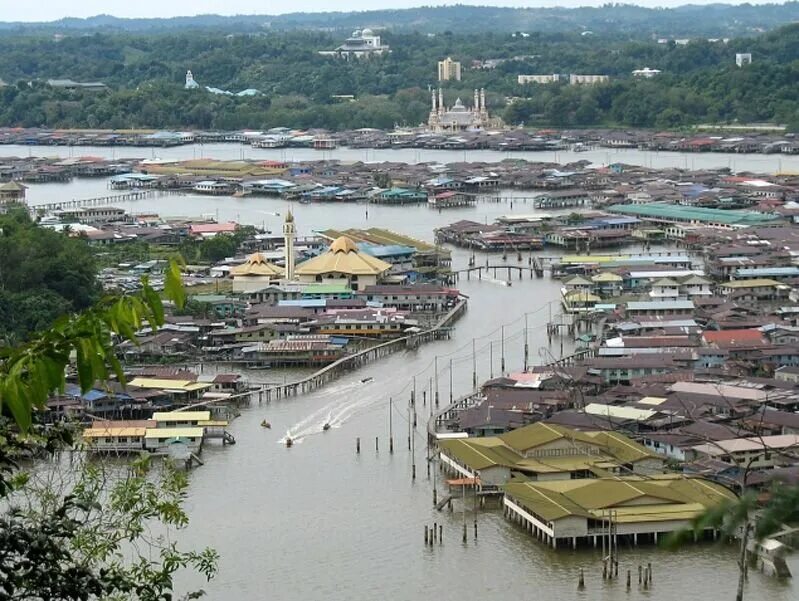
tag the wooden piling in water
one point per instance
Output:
(581, 580)
(357, 445)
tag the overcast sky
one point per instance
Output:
(48, 10)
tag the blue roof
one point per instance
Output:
(304, 302)
(767, 271)
(387, 250)
(654, 305)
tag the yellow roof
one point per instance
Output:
(213, 423)
(757, 283)
(113, 432)
(636, 499)
(256, 264)
(182, 416)
(167, 384)
(343, 257)
(606, 276)
(163, 433)
(580, 296)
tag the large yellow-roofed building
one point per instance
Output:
(343, 261)
(254, 274)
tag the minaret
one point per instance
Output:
(476, 105)
(482, 100)
(440, 101)
(434, 100)
(190, 83)
(289, 233)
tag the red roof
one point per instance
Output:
(212, 228)
(734, 338)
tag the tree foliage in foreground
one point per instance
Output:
(85, 532)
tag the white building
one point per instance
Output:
(459, 117)
(449, 70)
(361, 44)
(528, 79)
(646, 72)
(575, 79)
(743, 58)
(190, 83)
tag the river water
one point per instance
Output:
(318, 521)
(761, 163)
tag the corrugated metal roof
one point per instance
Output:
(181, 416)
(165, 433)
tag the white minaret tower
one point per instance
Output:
(289, 233)
(190, 83)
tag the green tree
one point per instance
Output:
(89, 538)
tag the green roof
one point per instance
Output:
(337, 288)
(698, 214)
(377, 235)
(212, 298)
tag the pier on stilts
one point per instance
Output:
(99, 201)
(270, 392)
(534, 269)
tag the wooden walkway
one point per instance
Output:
(98, 201)
(330, 372)
(534, 269)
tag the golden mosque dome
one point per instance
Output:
(257, 265)
(343, 244)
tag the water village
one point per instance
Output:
(742, 139)
(678, 297)
(682, 390)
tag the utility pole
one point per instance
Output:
(526, 346)
(390, 425)
(450, 382)
(474, 366)
(502, 358)
(435, 375)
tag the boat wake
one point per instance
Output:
(349, 400)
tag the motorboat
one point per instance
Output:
(289, 442)
(326, 427)
(266, 424)
(365, 380)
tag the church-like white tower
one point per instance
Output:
(289, 233)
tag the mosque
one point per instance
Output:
(363, 43)
(459, 117)
(342, 262)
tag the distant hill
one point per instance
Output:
(715, 20)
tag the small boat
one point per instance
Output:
(326, 427)
(365, 380)
(266, 424)
(289, 442)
